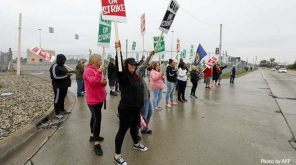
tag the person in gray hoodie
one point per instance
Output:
(147, 108)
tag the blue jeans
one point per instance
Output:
(116, 85)
(157, 95)
(232, 77)
(170, 91)
(147, 111)
(79, 86)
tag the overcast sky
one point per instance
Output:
(262, 28)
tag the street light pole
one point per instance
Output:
(40, 37)
(172, 45)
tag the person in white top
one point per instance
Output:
(182, 81)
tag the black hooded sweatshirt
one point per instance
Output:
(58, 73)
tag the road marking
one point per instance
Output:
(263, 75)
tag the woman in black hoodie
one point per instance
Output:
(132, 100)
(60, 77)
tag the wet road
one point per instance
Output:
(283, 87)
(231, 125)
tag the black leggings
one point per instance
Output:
(96, 118)
(128, 119)
(181, 91)
(194, 85)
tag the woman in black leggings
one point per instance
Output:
(182, 81)
(132, 100)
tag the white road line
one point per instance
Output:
(263, 75)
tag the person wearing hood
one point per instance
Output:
(61, 81)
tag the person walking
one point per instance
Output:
(157, 84)
(216, 71)
(171, 74)
(131, 102)
(95, 97)
(232, 74)
(61, 81)
(79, 78)
(207, 77)
(194, 78)
(182, 81)
(112, 77)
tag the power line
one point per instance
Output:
(198, 18)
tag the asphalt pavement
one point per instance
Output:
(234, 124)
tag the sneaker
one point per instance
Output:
(147, 132)
(98, 150)
(159, 108)
(180, 101)
(65, 112)
(120, 161)
(184, 100)
(168, 105)
(113, 94)
(81, 95)
(173, 103)
(140, 147)
(117, 91)
(59, 116)
(195, 96)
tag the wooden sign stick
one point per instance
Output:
(103, 64)
(118, 48)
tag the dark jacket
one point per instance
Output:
(232, 71)
(216, 73)
(194, 75)
(79, 72)
(111, 71)
(171, 74)
(132, 91)
(58, 73)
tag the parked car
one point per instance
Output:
(282, 70)
(273, 69)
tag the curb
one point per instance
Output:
(15, 140)
(20, 137)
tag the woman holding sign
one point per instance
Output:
(132, 100)
(95, 97)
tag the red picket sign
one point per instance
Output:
(211, 62)
(114, 10)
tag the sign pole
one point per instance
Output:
(19, 45)
(143, 45)
(156, 46)
(118, 48)
(103, 64)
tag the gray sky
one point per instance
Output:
(263, 28)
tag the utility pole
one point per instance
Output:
(19, 45)
(172, 45)
(40, 37)
(220, 45)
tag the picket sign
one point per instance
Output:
(210, 63)
(114, 10)
(159, 39)
(46, 55)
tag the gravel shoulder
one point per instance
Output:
(30, 99)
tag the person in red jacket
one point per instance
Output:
(95, 97)
(208, 75)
